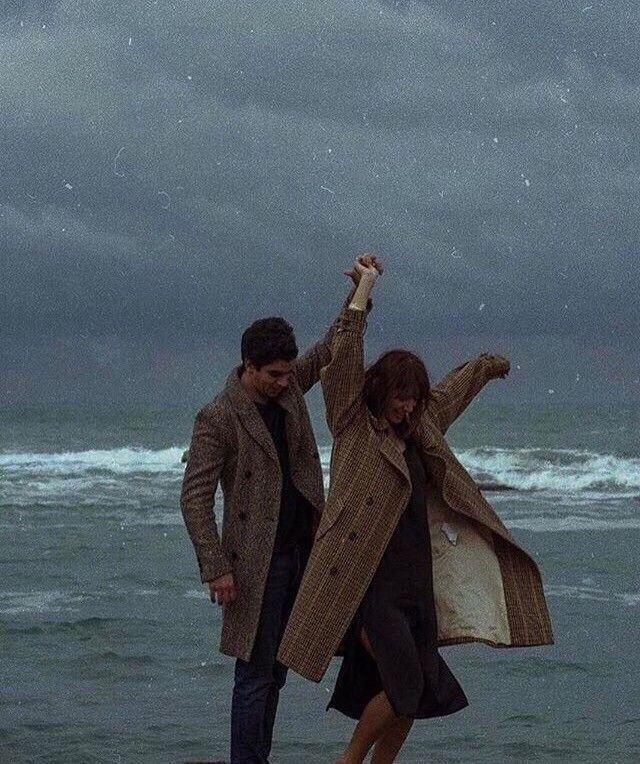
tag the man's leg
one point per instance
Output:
(298, 564)
(279, 679)
(259, 680)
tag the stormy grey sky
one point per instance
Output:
(173, 170)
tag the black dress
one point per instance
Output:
(398, 615)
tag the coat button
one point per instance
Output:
(234, 555)
(369, 501)
(242, 515)
(333, 572)
(352, 536)
(315, 455)
(248, 474)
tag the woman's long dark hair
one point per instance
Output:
(395, 374)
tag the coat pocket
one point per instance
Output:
(332, 511)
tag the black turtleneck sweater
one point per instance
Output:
(295, 527)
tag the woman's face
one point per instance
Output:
(399, 407)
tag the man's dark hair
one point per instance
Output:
(268, 340)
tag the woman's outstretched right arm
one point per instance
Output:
(343, 379)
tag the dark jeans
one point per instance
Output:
(258, 681)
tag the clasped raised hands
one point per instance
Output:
(367, 262)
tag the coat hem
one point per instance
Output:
(492, 643)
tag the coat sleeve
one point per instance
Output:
(308, 366)
(343, 378)
(197, 499)
(455, 391)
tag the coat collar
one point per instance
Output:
(387, 445)
(423, 433)
(424, 436)
(249, 414)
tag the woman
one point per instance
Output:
(408, 554)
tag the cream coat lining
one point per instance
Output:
(467, 581)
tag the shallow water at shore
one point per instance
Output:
(109, 644)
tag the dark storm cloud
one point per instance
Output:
(171, 170)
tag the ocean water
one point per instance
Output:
(108, 643)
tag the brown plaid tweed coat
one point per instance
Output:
(232, 446)
(486, 587)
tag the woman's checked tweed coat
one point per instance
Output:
(486, 587)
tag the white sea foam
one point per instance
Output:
(524, 469)
(570, 522)
(584, 475)
(115, 461)
(563, 470)
(588, 590)
(142, 485)
(56, 601)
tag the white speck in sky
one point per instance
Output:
(518, 366)
(115, 163)
(189, 77)
(455, 254)
(482, 306)
(68, 186)
(551, 392)
(130, 41)
(324, 188)
(577, 377)
(495, 140)
(168, 204)
(329, 151)
(527, 182)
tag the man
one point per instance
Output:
(256, 440)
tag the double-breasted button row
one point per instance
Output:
(234, 555)
(248, 474)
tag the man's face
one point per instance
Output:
(272, 379)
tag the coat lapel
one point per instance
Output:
(388, 448)
(249, 415)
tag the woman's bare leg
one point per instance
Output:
(388, 746)
(376, 719)
(374, 722)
